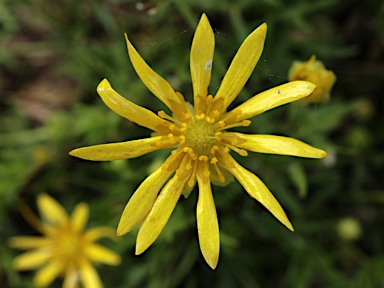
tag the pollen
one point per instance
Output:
(200, 135)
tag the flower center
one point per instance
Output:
(68, 245)
(203, 146)
(200, 136)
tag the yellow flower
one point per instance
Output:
(349, 229)
(313, 71)
(200, 138)
(65, 249)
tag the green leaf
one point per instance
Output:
(299, 179)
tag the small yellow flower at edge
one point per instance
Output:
(200, 138)
(313, 71)
(65, 249)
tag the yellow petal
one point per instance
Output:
(47, 274)
(127, 109)
(142, 200)
(71, 278)
(51, 210)
(242, 66)
(32, 219)
(207, 224)
(257, 190)
(155, 83)
(160, 213)
(27, 242)
(96, 233)
(201, 58)
(100, 254)
(118, 151)
(31, 259)
(277, 145)
(79, 217)
(271, 98)
(89, 277)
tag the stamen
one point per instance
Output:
(167, 141)
(231, 117)
(214, 149)
(180, 108)
(191, 180)
(224, 157)
(241, 152)
(200, 116)
(243, 123)
(217, 107)
(221, 124)
(181, 140)
(218, 136)
(184, 127)
(232, 138)
(209, 120)
(172, 162)
(206, 169)
(182, 170)
(203, 158)
(190, 152)
(189, 166)
(171, 125)
(218, 171)
(172, 138)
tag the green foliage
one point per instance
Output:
(54, 53)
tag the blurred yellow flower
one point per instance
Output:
(200, 138)
(349, 229)
(65, 250)
(313, 71)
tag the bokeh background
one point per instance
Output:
(53, 54)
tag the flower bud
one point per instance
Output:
(313, 71)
